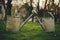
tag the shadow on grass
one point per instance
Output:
(2, 29)
(57, 31)
(3, 33)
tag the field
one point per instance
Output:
(30, 31)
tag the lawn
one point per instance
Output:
(30, 31)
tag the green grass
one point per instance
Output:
(31, 31)
(57, 31)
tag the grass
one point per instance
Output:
(57, 31)
(30, 31)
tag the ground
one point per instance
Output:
(30, 31)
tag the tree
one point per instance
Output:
(9, 5)
(8, 9)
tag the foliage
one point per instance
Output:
(2, 25)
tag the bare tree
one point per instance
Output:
(8, 9)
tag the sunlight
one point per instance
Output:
(41, 2)
(56, 2)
